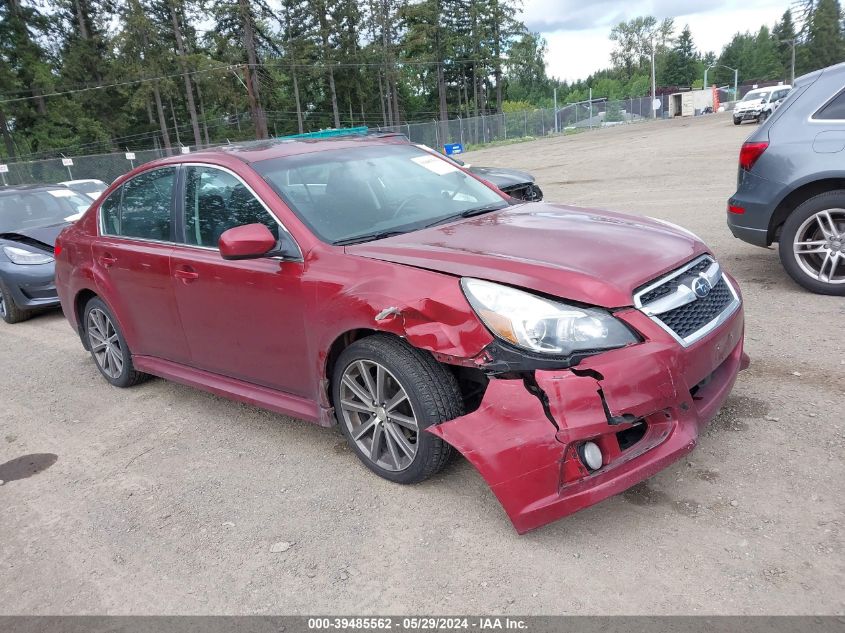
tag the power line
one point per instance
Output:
(115, 85)
(279, 64)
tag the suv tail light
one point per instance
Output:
(750, 153)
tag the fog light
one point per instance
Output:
(591, 455)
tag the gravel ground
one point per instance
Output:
(165, 499)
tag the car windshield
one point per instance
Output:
(28, 209)
(755, 94)
(364, 193)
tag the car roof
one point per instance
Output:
(831, 72)
(32, 188)
(255, 151)
(771, 88)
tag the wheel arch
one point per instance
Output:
(79, 302)
(798, 196)
(336, 348)
(472, 382)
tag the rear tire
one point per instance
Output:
(812, 244)
(9, 310)
(386, 393)
(108, 348)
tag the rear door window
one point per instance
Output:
(142, 207)
(833, 109)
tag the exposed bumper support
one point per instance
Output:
(667, 392)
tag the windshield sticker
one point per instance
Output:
(435, 165)
(61, 193)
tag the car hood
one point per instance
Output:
(502, 177)
(45, 235)
(749, 105)
(585, 255)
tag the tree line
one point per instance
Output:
(90, 76)
(85, 76)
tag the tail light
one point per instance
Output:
(57, 249)
(751, 153)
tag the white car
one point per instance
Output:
(89, 186)
(759, 104)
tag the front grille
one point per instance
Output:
(672, 303)
(669, 288)
(693, 316)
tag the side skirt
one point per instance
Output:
(231, 388)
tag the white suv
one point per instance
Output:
(759, 104)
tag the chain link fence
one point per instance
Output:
(469, 132)
(105, 167)
(492, 128)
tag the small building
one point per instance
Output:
(689, 103)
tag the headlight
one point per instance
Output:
(541, 325)
(24, 257)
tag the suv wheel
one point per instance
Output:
(737, 121)
(9, 310)
(108, 347)
(812, 244)
(386, 393)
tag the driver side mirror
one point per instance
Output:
(249, 241)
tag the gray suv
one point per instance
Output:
(791, 184)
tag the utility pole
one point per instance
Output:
(792, 41)
(653, 80)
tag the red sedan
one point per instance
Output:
(567, 353)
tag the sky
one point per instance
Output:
(577, 31)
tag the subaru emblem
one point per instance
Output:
(701, 287)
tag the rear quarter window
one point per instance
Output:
(833, 109)
(110, 213)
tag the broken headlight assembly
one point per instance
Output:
(544, 326)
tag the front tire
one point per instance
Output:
(386, 393)
(737, 121)
(108, 347)
(9, 310)
(812, 244)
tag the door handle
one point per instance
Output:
(186, 274)
(107, 261)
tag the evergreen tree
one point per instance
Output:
(825, 43)
(786, 40)
(682, 61)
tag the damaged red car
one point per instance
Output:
(566, 353)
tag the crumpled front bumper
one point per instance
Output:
(748, 115)
(659, 394)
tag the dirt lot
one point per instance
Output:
(165, 499)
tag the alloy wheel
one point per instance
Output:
(378, 415)
(819, 246)
(105, 343)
